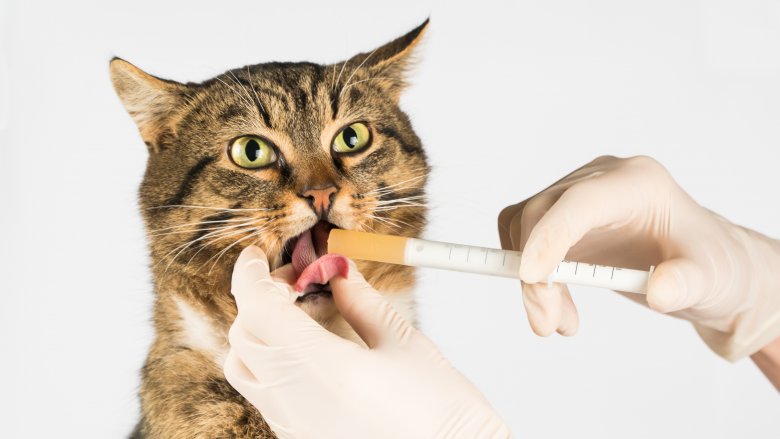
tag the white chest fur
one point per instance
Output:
(200, 333)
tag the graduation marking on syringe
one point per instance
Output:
(421, 253)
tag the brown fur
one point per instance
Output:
(192, 194)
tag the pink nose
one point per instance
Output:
(320, 199)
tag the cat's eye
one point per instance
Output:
(251, 152)
(352, 138)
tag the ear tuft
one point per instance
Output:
(400, 48)
(390, 62)
(149, 100)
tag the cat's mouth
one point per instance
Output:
(302, 251)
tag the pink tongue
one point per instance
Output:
(303, 253)
(322, 270)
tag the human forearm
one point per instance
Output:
(768, 360)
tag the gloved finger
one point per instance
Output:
(570, 320)
(286, 274)
(510, 213)
(505, 218)
(543, 306)
(534, 210)
(366, 311)
(595, 202)
(268, 307)
(675, 285)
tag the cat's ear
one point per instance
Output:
(148, 99)
(388, 64)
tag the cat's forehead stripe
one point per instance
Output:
(187, 184)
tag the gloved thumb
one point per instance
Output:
(676, 284)
(366, 311)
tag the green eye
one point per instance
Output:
(352, 138)
(251, 152)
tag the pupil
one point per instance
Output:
(252, 150)
(350, 137)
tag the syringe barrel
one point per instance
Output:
(601, 276)
(465, 258)
(506, 263)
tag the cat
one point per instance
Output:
(275, 155)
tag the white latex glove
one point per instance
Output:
(631, 213)
(309, 383)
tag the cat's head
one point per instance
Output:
(275, 153)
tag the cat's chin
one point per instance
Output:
(318, 306)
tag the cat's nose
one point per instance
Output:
(320, 199)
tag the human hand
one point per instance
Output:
(308, 382)
(631, 213)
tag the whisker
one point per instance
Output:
(219, 238)
(179, 226)
(366, 225)
(362, 80)
(391, 208)
(384, 221)
(249, 104)
(332, 77)
(238, 83)
(186, 245)
(339, 77)
(399, 200)
(221, 227)
(399, 204)
(408, 199)
(224, 209)
(394, 222)
(222, 235)
(394, 186)
(355, 71)
(251, 83)
(220, 254)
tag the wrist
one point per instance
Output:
(753, 320)
(768, 360)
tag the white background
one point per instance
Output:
(508, 97)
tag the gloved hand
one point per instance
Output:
(308, 382)
(631, 213)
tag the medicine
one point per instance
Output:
(481, 260)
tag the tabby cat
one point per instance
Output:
(275, 155)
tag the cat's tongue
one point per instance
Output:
(310, 245)
(303, 253)
(322, 271)
(312, 264)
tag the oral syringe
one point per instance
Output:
(470, 259)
